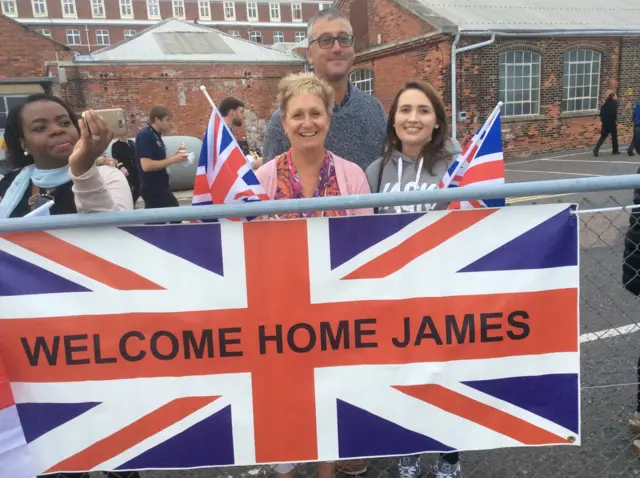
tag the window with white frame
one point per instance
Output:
(204, 9)
(129, 34)
(252, 11)
(6, 103)
(300, 36)
(363, 80)
(274, 12)
(126, 9)
(278, 37)
(39, 8)
(520, 83)
(178, 8)
(581, 80)
(229, 10)
(102, 37)
(296, 12)
(234, 33)
(69, 8)
(73, 37)
(153, 9)
(97, 8)
(255, 36)
(45, 32)
(10, 8)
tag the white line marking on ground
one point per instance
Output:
(552, 172)
(554, 157)
(608, 333)
(637, 163)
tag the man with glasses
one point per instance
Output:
(358, 123)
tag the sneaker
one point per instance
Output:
(447, 470)
(409, 467)
(615, 153)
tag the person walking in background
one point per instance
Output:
(358, 119)
(417, 154)
(635, 141)
(152, 161)
(609, 118)
(123, 150)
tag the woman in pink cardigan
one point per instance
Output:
(308, 170)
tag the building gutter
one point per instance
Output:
(454, 90)
(552, 33)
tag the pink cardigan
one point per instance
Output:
(351, 180)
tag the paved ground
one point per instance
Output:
(608, 364)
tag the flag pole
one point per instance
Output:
(206, 93)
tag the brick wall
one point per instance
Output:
(552, 129)
(629, 88)
(425, 61)
(136, 88)
(25, 52)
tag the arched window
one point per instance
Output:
(363, 80)
(581, 80)
(520, 83)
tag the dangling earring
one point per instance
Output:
(26, 153)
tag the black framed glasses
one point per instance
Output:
(326, 41)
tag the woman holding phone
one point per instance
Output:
(53, 154)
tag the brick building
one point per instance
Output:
(550, 62)
(26, 62)
(88, 25)
(166, 64)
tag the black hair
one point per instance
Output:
(13, 134)
(228, 104)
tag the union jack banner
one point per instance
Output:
(481, 162)
(224, 176)
(263, 342)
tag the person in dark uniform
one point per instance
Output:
(609, 118)
(152, 161)
(124, 152)
(635, 141)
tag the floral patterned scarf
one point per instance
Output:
(290, 187)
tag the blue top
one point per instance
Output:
(149, 144)
(357, 131)
(636, 114)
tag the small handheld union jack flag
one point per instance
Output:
(224, 174)
(481, 162)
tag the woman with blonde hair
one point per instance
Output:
(308, 170)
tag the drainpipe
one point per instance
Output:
(454, 51)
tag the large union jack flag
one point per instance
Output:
(489, 296)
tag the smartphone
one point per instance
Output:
(114, 118)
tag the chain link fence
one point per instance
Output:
(609, 316)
